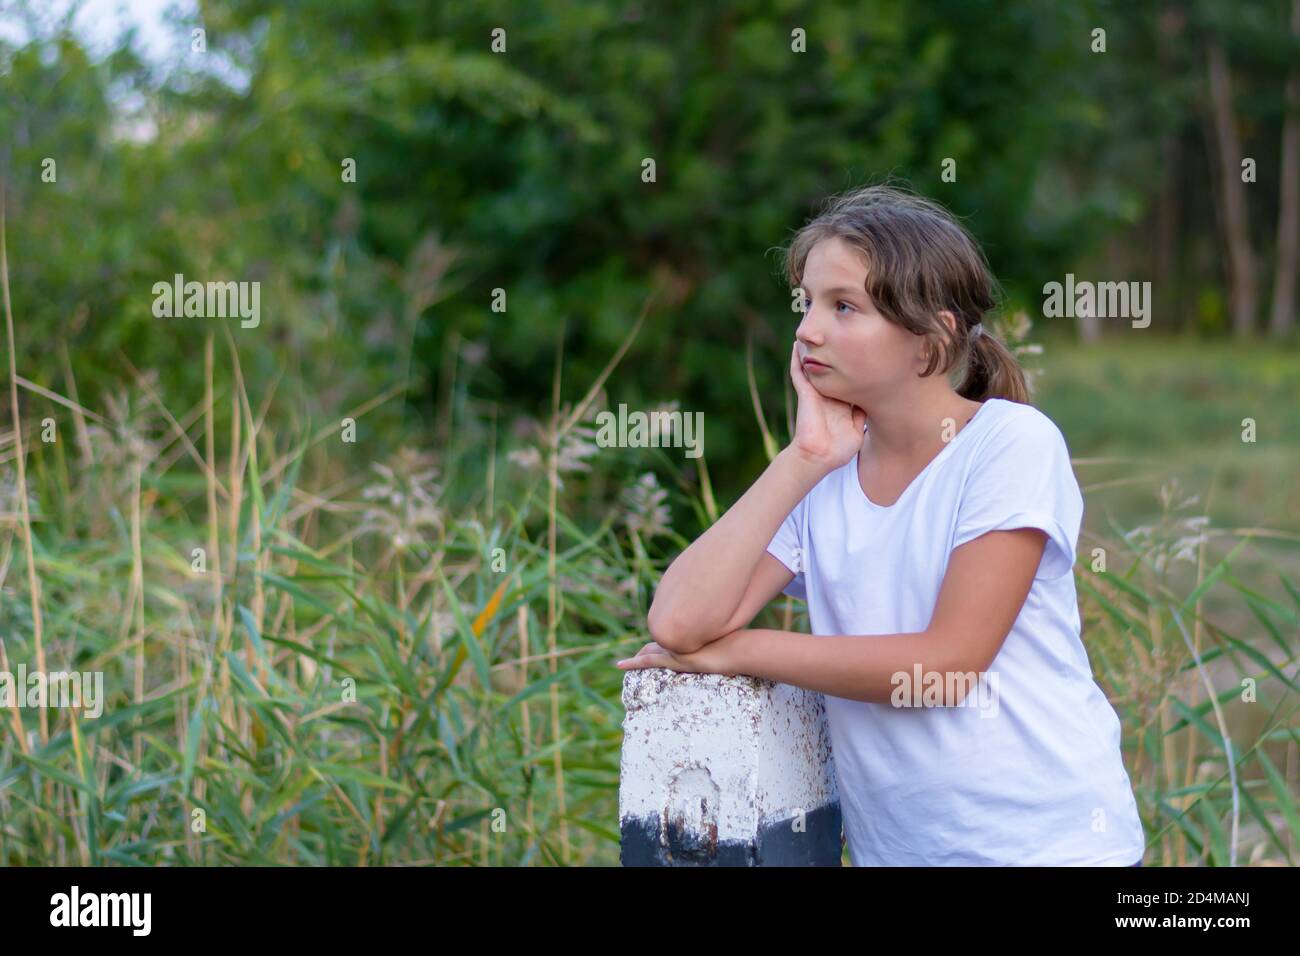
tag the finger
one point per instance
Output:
(651, 647)
(642, 661)
(797, 375)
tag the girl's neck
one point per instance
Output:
(905, 426)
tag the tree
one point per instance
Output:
(1288, 207)
(1232, 191)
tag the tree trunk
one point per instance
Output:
(1236, 232)
(1168, 214)
(1288, 204)
(1089, 327)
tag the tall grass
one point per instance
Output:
(391, 655)
(356, 676)
(1209, 715)
(367, 667)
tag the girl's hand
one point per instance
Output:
(826, 430)
(709, 659)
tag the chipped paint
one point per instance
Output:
(715, 769)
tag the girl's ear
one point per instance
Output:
(949, 320)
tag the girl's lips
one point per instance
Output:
(810, 366)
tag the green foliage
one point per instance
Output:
(522, 171)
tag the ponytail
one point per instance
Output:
(991, 370)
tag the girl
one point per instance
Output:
(932, 532)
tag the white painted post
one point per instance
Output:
(725, 771)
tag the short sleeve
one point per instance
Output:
(1022, 478)
(787, 547)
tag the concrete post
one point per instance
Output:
(725, 771)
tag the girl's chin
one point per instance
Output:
(825, 392)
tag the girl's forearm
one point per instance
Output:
(702, 588)
(853, 667)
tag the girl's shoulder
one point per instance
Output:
(1018, 442)
(1019, 423)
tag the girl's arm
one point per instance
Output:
(703, 587)
(983, 590)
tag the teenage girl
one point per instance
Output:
(932, 532)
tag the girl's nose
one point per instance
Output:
(807, 331)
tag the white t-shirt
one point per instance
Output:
(1027, 771)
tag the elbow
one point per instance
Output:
(668, 636)
(969, 685)
(960, 673)
(658, 627)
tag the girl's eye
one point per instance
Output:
(807, 304)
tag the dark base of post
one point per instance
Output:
(777, 844)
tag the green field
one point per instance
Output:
(1170, 408)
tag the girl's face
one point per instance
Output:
(868, 356)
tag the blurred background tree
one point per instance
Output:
(520, 169)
